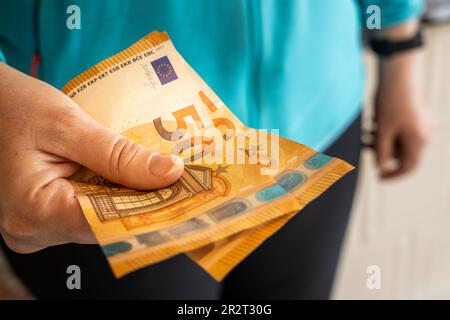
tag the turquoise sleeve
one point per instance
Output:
(395, 12)
(17, 36)
(2, 57)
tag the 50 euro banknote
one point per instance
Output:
(239, 186)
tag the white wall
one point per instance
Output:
(404, 226)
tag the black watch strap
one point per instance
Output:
(386, 48)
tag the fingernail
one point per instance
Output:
(177, 160)
(162, 165)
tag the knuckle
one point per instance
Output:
(18, 246)
(15, 224)
(12, 225)
(423, 137)
(19, 221)
(67, 121)
(63, 125)
(122, 154)
(418, 138)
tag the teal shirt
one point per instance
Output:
(292, 65)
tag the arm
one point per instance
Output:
(401, 121)
(402, 124)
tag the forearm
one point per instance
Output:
(400, 73)
(402, 127)
(10, 286)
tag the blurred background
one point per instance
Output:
(403, 227)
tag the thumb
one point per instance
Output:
(116, 158)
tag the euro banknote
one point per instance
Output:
(239, 186)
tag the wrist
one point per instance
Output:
(400, 70)
(396, 40)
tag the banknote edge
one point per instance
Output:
(149, 41)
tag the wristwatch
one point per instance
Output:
(386, 48)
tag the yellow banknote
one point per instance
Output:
(219, 258)
(239, 186)
(320, 172)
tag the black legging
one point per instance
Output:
(298, 262)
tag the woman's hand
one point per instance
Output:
(402, 125)
(44, 138)
(401, 120)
